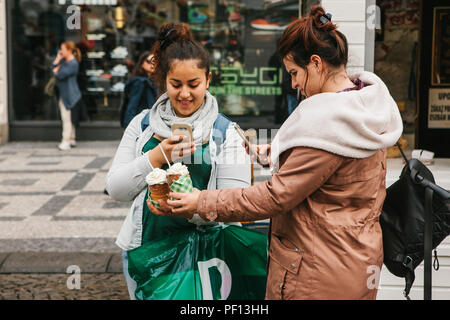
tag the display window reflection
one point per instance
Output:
(441, 47)
(241, 37)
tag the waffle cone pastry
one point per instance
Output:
(159, 192)
(175, 172)
(174, 177)
(157, 185)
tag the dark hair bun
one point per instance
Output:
(174, 32)
(321, 20)
(315, 34)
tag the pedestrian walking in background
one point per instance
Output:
(140, 92)
(183, 72)
(65, 68)
(329, 162)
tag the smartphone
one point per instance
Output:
(182, 129)
(247, 142)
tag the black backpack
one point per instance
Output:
(124, 104)
(414, 221)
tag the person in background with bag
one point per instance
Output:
(183, 73)
(140, 92)
(65, 68)
(329, 162)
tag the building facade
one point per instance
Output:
(4, 130)
(406, 42)
(240, 36)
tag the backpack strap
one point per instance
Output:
(219, 129)
(145, 122)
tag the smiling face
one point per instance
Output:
(186, 85)
(308, 80)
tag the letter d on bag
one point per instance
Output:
(225, 288)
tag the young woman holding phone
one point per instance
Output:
(183, 73)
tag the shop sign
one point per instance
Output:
(263, 81)
(439, 108)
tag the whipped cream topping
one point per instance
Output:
(157, 176)
(178, 168)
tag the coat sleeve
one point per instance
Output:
(67, 70)
(303, 171)
(233, 163)
(126, 177)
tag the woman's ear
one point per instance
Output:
(208, 80)
(316, 62)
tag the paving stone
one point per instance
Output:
(115, 264)
(53, 206)
(79, 181)
(19, 182)
(97, 163)
(50, 262)
(54, 287)
(3, 256)
(99, 245)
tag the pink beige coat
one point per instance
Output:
(325, 197)
(325, 232)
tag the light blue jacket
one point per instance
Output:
(67, 83)
(125, 181)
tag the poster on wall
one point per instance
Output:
(439, 108)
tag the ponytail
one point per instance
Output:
(70, 45)
(77, 54)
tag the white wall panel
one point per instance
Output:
(3, 67)
(346, 10)
(354, 31)
(356, 55)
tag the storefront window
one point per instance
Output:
(241, 37)
(441, 47)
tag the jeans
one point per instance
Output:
(68, 133)
(131, 284)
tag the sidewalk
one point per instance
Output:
(53, 212)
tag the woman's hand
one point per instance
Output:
(58, 58)
(263, 152)
(174, 148)
(184, 205)
(57, 61)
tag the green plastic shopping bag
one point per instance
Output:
(214, 263)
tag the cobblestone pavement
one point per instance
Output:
(47, 196)
(53, 213)
(107, 286)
